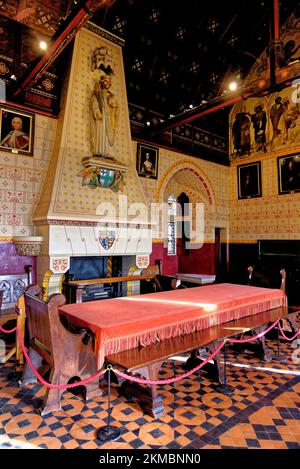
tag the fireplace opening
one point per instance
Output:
(77, 287)
(83, 268)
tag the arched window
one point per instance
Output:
(172, 225)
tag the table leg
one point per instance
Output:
(146, 396)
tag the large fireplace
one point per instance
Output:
(84, 216)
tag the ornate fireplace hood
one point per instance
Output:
(92, 164)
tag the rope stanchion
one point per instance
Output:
(224, 388)
(108, 432)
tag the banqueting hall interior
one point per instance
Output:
(150, 225)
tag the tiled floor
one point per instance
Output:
(262, 413)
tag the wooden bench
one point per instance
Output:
(147, 361)
(69, 353)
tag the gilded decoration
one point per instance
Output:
(28, 245)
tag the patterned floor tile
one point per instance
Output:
(263, 412)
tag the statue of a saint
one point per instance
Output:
(104, 109)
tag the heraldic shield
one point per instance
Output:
(107, 238)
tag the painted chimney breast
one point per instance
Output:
(92, 162)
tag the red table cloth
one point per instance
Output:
(123, 323)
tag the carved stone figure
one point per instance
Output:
(103, 106)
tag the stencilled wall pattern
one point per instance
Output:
(203, 181)
(271, 216)
(69, 198)
(21, 180)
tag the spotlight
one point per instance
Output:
(148, 123)
(13, 77)
(191, 106)
(233, 86)
(43, 45)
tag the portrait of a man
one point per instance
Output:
(289, 174)
(147, 161)
(249, 180)
(16, 131)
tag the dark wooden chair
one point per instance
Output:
(69, 354)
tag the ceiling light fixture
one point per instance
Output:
(43, 45)
(233, 86)
(148, 123)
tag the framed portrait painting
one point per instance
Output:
(249, 180)
(289, 174)
(147, 161)
(16, 131)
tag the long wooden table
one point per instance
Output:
(139, 333)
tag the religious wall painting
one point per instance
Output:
(268, 124)
(147, 161)
(289, 174)
(16, 131)
(249, 180)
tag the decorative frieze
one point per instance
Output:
(28, 245)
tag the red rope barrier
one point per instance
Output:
(169, 380)
(134, 378)
(55, 386)
(287, 338)
(258, 336)
(6, 331)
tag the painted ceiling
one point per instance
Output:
(176, 54)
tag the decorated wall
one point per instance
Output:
(203, 182)
(73, 189)
(21, 180)
(270, 216)
(264, 141)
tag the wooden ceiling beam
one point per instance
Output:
(79, 14)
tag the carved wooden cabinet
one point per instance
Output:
(12, 286)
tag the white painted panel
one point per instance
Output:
(133, 239)
(58, 243)
(89, 237)
(74, 237)
(145, 242)
(121, 241)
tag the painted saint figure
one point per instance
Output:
(259, 121)
(236, 134)
(104, 108)
(276, 112)
(245, 134)
(16, 138)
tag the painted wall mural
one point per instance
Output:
(267, 124)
